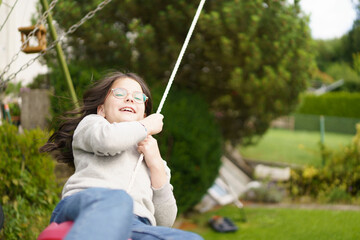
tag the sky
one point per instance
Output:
(329, 18)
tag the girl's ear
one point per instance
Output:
(100, 110)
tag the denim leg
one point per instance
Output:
(142, 231)
(97, 213)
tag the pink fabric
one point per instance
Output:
(56, 231)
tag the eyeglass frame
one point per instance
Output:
(127, 94)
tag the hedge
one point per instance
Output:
(340, 104)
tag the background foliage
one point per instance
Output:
(340, 57)
(191, 144)
(28, 187)
(248, 59)
(345, 72)
(337, 181)
(341, 104)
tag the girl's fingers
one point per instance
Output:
(147, 145)
(147, 140)
(139, 149)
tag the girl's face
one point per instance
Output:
(124, 109)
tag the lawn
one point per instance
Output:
(295, 147)
(282, 224)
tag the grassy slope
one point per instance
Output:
(296, 147)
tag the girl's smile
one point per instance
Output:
(127, 109)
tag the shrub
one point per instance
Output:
(337, 181)
(341, 104)
(28, 187)
(337, 195)
(14, 109)
(191, 144)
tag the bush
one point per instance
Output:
(337, 181)
(14, 109)
(28, 187)
(341, 104)
(337, 195)
(191, 144)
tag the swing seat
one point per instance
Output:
(56, 231)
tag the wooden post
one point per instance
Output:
(322, 138)
(60, 54)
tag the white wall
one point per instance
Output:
(10, 40)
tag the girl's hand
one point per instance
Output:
(150, 149)
(153, 123)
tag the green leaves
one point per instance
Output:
(191, 144)
(341, 104)
(29, 190)
(337, 181)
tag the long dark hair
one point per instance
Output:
(60, 142)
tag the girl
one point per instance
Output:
(104, 141)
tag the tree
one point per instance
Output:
(339, 57)
(351, 40)
(330, 51)
(256, 62)
(249, 59)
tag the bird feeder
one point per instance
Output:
(40, 36)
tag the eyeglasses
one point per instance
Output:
(120, 93)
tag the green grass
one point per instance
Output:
(295, 147)
(283, 224)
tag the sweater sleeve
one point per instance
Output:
(95, 134)
(165, 204)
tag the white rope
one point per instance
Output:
(136, 169)
(186, 42)
(192, 27)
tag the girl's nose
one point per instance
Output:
(129, 98)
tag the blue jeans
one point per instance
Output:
(100, 213)
(143, 230)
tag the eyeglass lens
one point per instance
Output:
(122, 93)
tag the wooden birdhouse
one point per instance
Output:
(39, 37)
